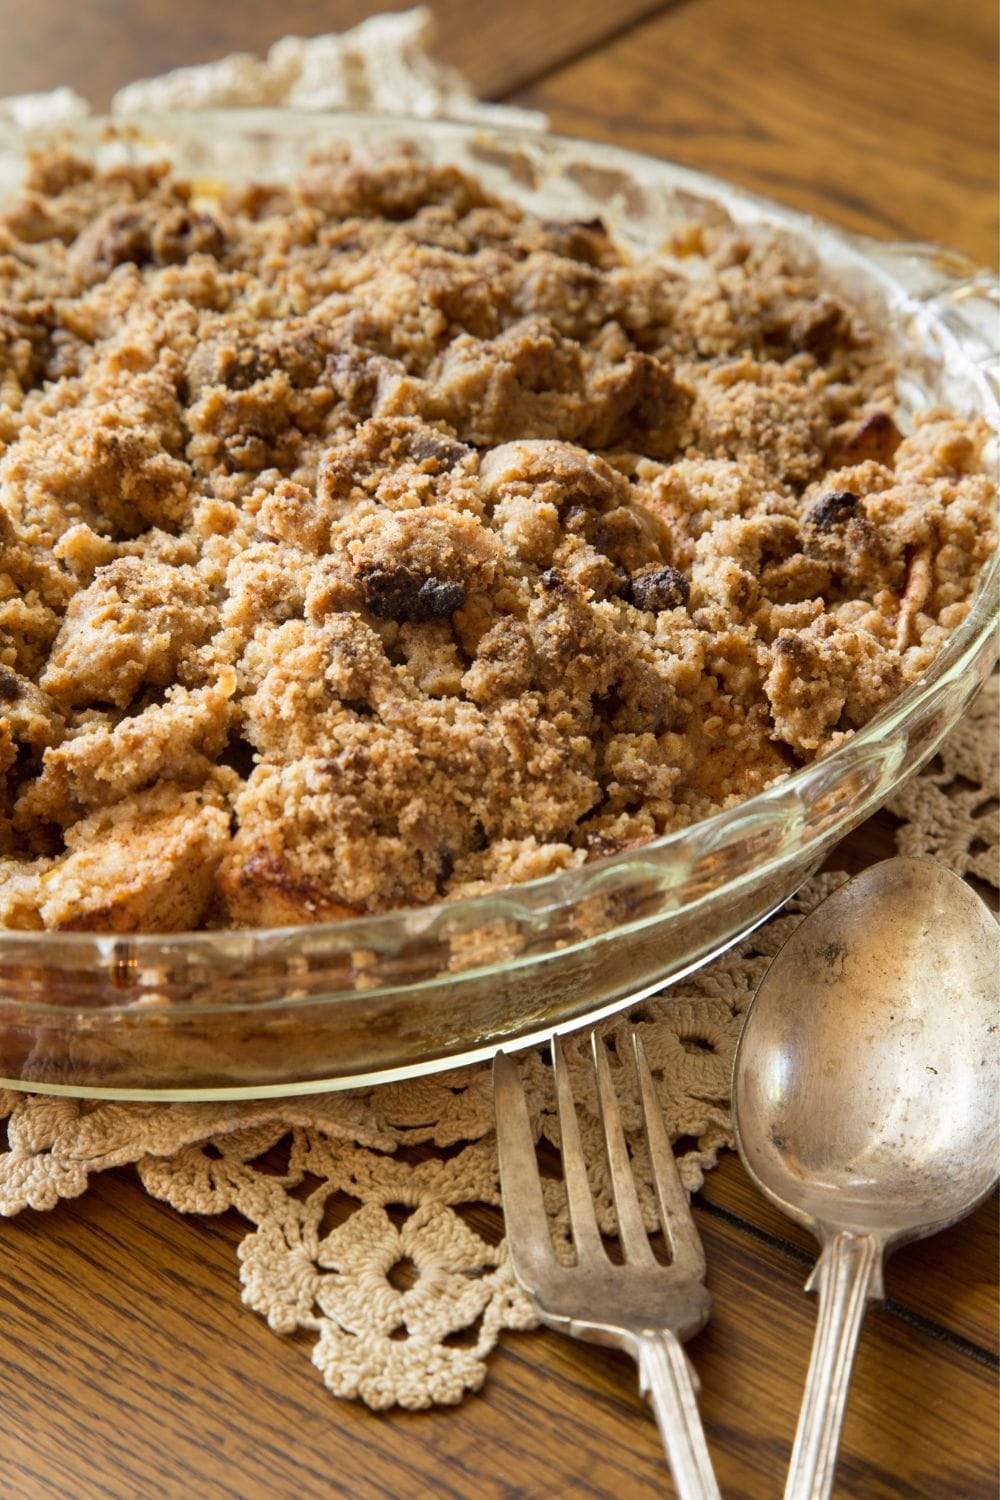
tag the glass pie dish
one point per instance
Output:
(251, 1012)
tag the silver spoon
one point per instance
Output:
(865, 1099)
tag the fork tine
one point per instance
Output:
(631, 1229)
(586, 1235)
(675, 1212)
(527, 1226)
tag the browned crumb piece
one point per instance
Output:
(145, 865)
(104, 761)
(778, 413)
(394, 186)
(33, 594)
(420, 565)
(826, 677)
(134, 625)
(21, 893)
(368, 541)
(29, 714)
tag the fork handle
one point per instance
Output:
(665, 1378)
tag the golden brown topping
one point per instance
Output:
(369, 542)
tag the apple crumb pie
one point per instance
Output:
(369, 541)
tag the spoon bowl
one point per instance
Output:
(865, 1079)
(865, 1097)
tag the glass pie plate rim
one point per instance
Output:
(947, 300)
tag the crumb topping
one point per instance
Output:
(369, 542)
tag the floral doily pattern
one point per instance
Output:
(360, 1201)
(372, 1212)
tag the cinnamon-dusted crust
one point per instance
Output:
(371, 542)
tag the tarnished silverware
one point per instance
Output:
(865, 1099)
(641, 1306)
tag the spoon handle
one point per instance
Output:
(847, 1274)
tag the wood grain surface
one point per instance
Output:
(99, 46)
(130, 1369)
(880, 116)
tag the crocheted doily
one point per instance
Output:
(343, 1191)
(399, 1169)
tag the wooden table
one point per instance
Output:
(129, 1367)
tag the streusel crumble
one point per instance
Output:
(370, 541)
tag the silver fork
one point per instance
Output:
(642, 1306)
